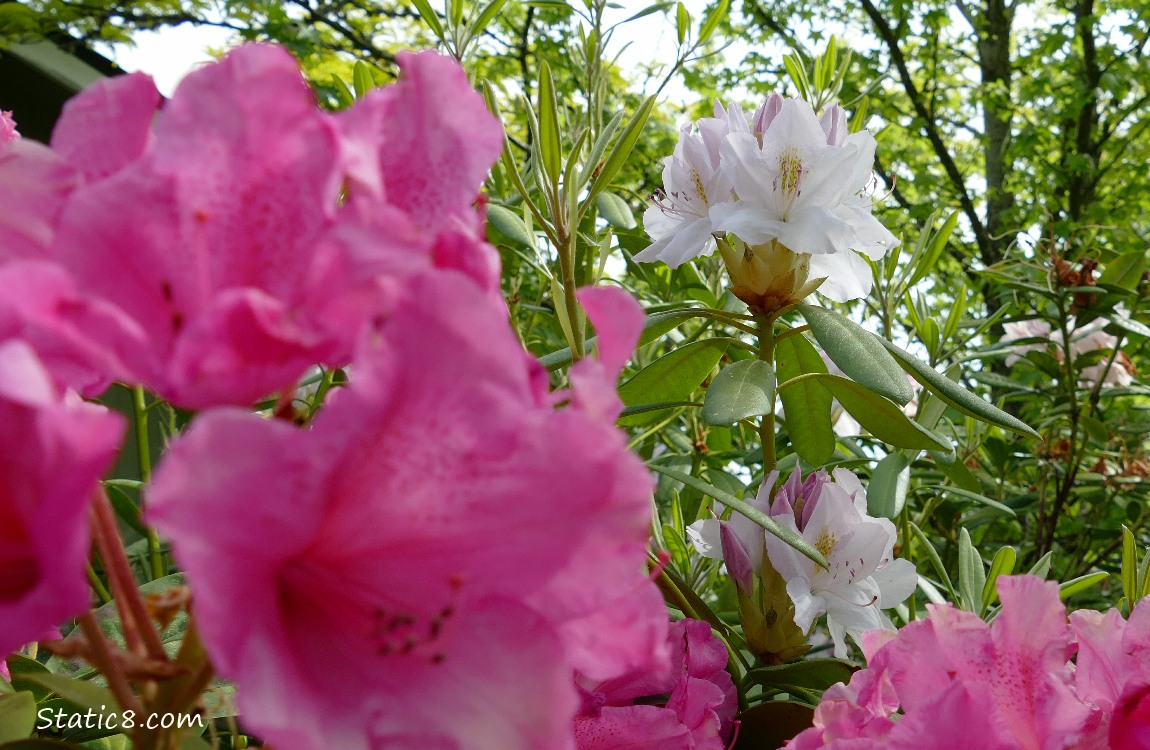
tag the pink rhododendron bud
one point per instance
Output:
(437, 554)
(55, 450)
(8, 130)
(738, 562)
(700, 705)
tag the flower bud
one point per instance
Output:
(768, 277)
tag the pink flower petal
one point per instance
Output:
(108, 125)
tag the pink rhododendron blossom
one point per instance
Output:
(698, 712)
(239, 265)
(8, 130)
(1010, 684)
(425, 143)
(55, 450)
(429, 564)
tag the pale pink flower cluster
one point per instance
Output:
(691, 707)
(785, 176)
(1029, 680)
(864, 578)
(429, 562)
(1083, 340)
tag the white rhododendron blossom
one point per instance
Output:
(829, 511)
(1090, 337)
(784, 195)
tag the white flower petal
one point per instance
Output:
(704, 536)
(848, 275)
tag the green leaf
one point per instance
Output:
(429, 16)
(550, 155)
(929, 259)
(487, 16)
(881, 417)
(712, 21)
(954, 394)
(858, 353)
(1125, 270)
(361, 79)
(813, 674)
(17, 715)
(806, 405)
(975, 496)
(1002, 565)
(673, 376)
(622, 148)
(791, 538)
(342, 92)
(509, 224)
(960, 474)
(1042, 567)
(773, 722)
(615, 210)
(455, 7)
(971, 574)
(935, 560)
(80, 693)
(1080, 584)
(682, 23)
(1131, 325)
(740, 390)
(1129, 566)
(886, 492)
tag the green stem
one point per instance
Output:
(144, 456)
(98, 586)
(767, 423)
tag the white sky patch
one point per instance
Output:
(168, 54)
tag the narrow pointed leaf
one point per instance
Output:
(806, 405)
(858, 354)
(549, 147)
(741, 389)
(615, 210)
(428, 16)
(682, 23)
(971, 574)
(487, 16)
(712, 21)
(622, 148)
(1129, 566)
(509, 224)
(886, 492)
(361, 79)
(1002, 565)
(762, 519)
(1080, 584)
(975, 496)
(954, 394)
(935, 560)
(879, 416)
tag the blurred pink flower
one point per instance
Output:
(698, 713)
(8, 130)
(238, 253)
(429, 564)
(55, 450)
(1007, 685)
